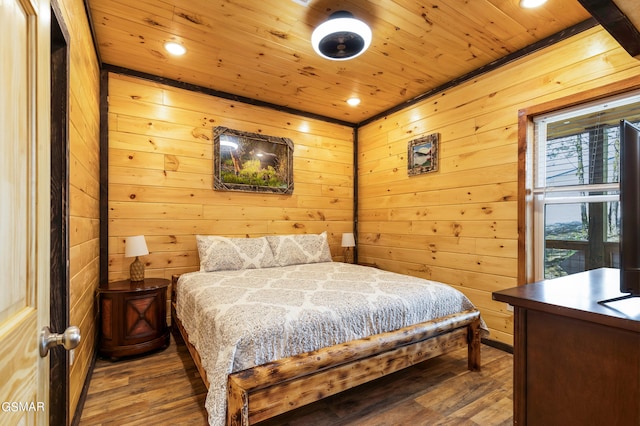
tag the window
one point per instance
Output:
(574, 175)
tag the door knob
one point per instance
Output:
(69, 339)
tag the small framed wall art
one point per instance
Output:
(423, 154)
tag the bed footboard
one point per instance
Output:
(267, 390)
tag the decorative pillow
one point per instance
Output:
(299, 248)
(224, 254)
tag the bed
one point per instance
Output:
(273, 324)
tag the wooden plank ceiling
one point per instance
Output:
(260, 49)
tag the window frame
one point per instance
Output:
(543, 192)
(527, 215)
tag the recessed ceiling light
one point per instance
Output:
(528, 4)
(353, 101)
(175, 48)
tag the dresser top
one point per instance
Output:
(577, 296)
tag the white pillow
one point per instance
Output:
(224, 254)
(299, 248)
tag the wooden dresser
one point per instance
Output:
(133, 317)
(576, 362)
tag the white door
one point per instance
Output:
(24, 209)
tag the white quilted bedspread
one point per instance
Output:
(240, 319)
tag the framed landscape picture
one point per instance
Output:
(251, 162)
(423, 154)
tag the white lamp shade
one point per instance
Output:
(135, 246)
(348, 240)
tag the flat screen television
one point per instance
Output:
(630, 208)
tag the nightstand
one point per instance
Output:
(133, 317)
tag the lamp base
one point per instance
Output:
(136, 270)
(348, 255)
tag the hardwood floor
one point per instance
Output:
(164, 388)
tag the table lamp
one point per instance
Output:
(136, 246)
(348, 241)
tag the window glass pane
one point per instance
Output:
(581, 146)
(580, 237)
(583, 158)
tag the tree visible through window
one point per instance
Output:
(576, 187)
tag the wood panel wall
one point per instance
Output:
(84, 188)
(161, 176)
(460, 225)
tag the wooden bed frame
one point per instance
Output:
(270, 389)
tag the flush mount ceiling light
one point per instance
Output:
(341, 37)
(175, 48)
(528, 4)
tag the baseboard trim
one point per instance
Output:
(498, 345)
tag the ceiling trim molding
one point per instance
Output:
(224, 95)
(612, 19)
(544, 43)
